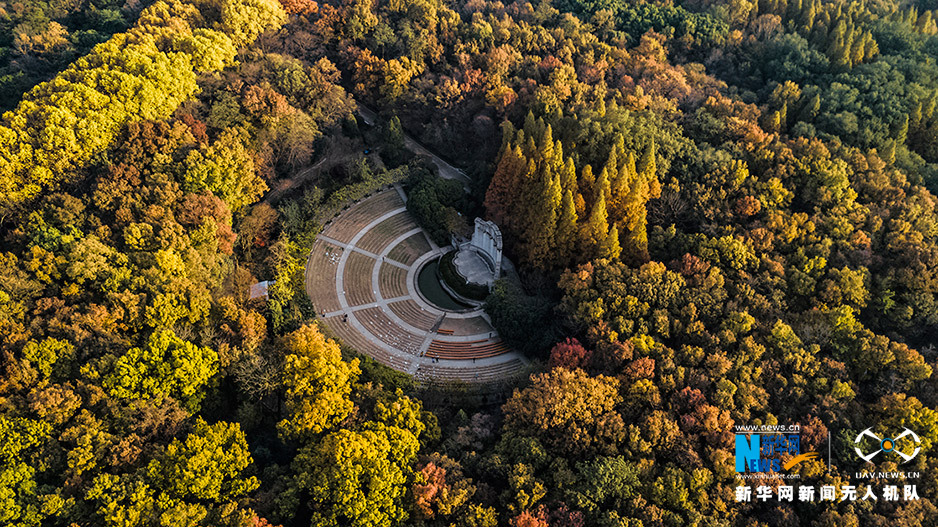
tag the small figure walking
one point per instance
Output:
(345, 318)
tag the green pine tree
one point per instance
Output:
(610, 247)
(645, 187)
(598, 220)
(622, 184)
(646, 166)
(538, 238)
(568, 176)
(587, 183)
(501, 197)
(566, 235)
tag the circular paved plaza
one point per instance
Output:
(361, 276)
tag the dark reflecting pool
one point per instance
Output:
(432, 290)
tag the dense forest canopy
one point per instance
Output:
(722, 213)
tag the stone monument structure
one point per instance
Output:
(487, 239)
(479, 260)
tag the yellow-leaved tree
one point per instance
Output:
(360, 477)
(318, 384)
(145, 73)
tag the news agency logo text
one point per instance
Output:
(759, 448)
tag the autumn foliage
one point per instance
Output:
(721, 213)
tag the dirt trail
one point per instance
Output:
(339, 152)
(447, 170)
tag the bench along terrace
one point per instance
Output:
(364, 277)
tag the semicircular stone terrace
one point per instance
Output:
(361, 276)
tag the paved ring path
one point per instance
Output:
(470, 327)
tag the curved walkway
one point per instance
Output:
(368, 297)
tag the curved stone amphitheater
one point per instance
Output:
(362, 277)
